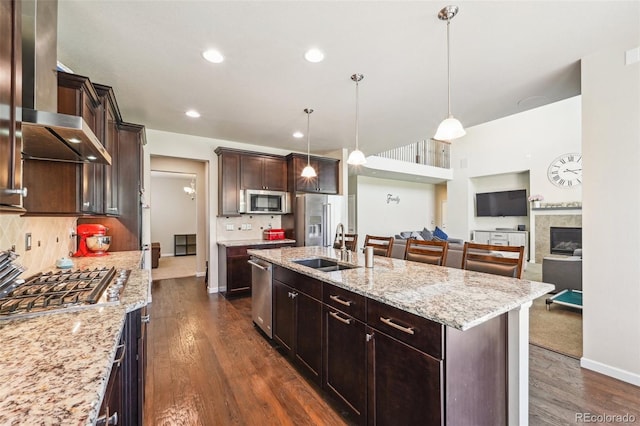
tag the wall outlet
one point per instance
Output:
(248, 227)
(243, 227)
(27, 241)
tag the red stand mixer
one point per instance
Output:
(93, 240)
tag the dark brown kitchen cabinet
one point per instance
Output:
(78, 96)
(111, 409)
(234, 271)
(109, 118)
(126, 229)
(228, 182)
(134, 367)
(54, 187)
(263, 172)
(297, 320)
(10, 101)
(326, 181)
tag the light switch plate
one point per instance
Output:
(229, 227)
(27, 241)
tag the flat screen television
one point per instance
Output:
(502, 203)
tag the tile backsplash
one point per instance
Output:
(239, 226)
(50, 240)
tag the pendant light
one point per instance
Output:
(308, 171)
(356, 158)
(450, 128)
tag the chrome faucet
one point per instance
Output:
(345, 255)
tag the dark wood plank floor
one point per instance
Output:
(208, 365)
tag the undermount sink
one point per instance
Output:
(324, 265)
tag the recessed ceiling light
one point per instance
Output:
(192, 113)
(314, 55)
(75, 140)
(213, 56)
(298, 135)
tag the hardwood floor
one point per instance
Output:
(208, 365)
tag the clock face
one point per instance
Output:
(566, 170)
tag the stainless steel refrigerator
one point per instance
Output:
(316, 218)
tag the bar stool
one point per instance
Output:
(382, 246)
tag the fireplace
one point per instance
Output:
(565, 240)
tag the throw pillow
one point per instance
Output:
(440, 234)
(416, 235)
(426, 234)
(406, 235)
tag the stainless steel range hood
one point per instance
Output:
(47, 134)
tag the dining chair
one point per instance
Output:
(350, 241)
(432, 252)
(382, 246)
(493, 259)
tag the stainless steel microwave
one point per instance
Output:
(264, 202)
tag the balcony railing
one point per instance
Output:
(428, 152)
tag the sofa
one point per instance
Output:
(454, 251)
(565, 272)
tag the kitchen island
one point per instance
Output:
(470, 329)
(55, 366)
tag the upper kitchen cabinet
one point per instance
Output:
(126, 229)
(110, 117)
(263, 172)
(326, 181)
(10, 100)
(77, 96)
(228, 182)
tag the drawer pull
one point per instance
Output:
(369, 337)
(105, 419)
(119, 360)
(390, 323)
(145, 318)
(339, 300)
(339, 318)
(293, 295)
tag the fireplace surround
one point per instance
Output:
(564, 240)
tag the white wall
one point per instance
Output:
(611, 212)
(173, 211)
(376, 216)
(525, 142)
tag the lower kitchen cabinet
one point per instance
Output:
(111, 408)
(405, 385)
(297, 322)
(345, 362)
(234, 271)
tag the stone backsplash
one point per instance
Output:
(239, 226)
(50, 240)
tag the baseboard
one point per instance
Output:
(610, 371)
(212, 289)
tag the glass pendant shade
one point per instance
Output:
(449, 129)
(308, 172)
(356, 158)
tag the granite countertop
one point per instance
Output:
(454, 297)
(255, 242)
(54, 367)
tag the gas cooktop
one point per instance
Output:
(62, 290)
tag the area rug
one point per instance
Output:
(559, 329)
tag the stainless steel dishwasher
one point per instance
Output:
(261, 291)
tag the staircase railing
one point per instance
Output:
(428, 152)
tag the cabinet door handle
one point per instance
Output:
(145, 318)
(107, 420)
(369, 337)
(293, 295)
(390, 323)
(339, 300)
(119, 360)
(339, 318)
(19, 191)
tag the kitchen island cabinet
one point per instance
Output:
(444, 345)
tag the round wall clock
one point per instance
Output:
(566, 170)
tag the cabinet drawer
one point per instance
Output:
(421, 333)
(499, 236)
(350, 303)
(237, 251)
(309, 286)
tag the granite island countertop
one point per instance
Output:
(54, 367)
(454, 297)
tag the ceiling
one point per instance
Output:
(506, 57)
